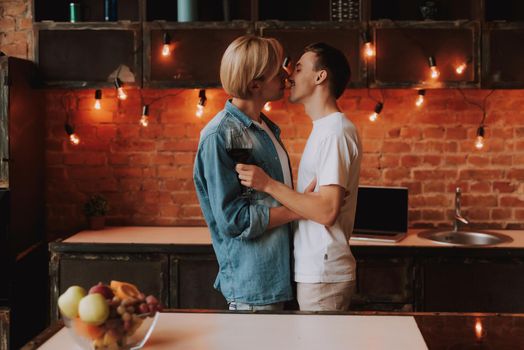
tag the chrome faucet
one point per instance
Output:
(458, 215)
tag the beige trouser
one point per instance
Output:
(325, 296)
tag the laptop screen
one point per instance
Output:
(382, 210)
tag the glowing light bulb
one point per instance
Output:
(461, 68)
(433, 67)
(165, 50)
(434, 72)
(144, 120)
(74, 139)
(121, 93)
(201, 103)
(267, 106)
(478, 330)
(378, 108)
(420, 99)
(369, 49)
(98, 97)
(479, 141)
(167, 43)
(199, 111)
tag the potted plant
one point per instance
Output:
(95, 210)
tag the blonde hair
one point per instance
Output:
(249, 58)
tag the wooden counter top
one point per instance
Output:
(201, 236)
(204, 330)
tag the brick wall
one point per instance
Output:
(147, 172)
(16, 23)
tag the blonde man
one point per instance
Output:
(249, 232)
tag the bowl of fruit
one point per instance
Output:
(109, 317)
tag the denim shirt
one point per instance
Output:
(254, 262)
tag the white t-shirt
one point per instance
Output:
(282, 155)
(332, 154)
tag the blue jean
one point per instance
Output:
(236, 306)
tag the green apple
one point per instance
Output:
(68, 302)
(93, 309)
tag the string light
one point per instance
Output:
(144, 120)
(267, 106)
(201, 103)
(98, 97)
(166, 48)
(479, 141)
(420, 98)
(369, 49)
(120, 90)
(461, 68)
(433, 67)
(378, 108)
(73, 137)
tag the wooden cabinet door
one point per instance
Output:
(384, 283)
(149, 272)
(192, 279)
(473, 285)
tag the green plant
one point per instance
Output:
(96, 205)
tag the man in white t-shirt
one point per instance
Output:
(325, 269)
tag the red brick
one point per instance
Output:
(434, 174)
(511, 201)
(478, 161)
(433, 215)
(389, 161)
(410, 133)
(501, 214)
(519, 214)
(396, 147)
(516, 174)
(471, 174)
(434, 186)
(483, 187)
(397, 174)
(504, 187)
(410, 161)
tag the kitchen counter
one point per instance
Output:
(201, 236)
(186, 329)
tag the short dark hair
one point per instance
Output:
(334, 61)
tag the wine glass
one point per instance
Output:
(239, 146)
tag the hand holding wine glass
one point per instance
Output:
(239, 147)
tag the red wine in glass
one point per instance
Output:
(239, 146)
(240, 155)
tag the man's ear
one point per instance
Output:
(321, 76)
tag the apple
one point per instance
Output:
(93, 309)
(68, 302)
(102, 289)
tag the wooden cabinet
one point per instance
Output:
(88, 55)
(4, 328)
(406, 34)
(454, 284)
(384, 283)
(192, 278)
(196, 52)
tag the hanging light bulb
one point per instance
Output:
(369, 49)
(166, 48)
(420, 98)
(98, 97)
(201, 103)
(144, 120)
(267, 106)
(433, 67)
(378, 108)
(120, 90)
(70, 130)
(461, 68)
(479, 141)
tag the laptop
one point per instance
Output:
(381, 214)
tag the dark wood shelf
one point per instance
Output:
(413, 10)
(90, 10)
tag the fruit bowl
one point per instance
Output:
(89, 337)
(110, 317)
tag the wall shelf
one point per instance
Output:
(469, 30)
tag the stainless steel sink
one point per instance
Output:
(466, 238)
